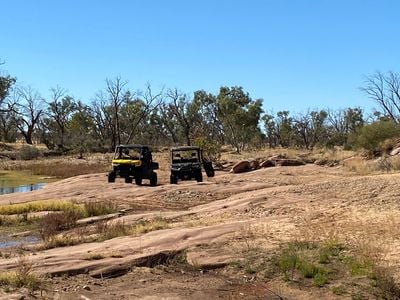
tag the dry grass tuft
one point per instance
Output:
(56, 241)
(40, 205)
(23, 277)
(95, 256)
(109, 230)
(99, 208)
(362, 166)
(53, 223)
(151, 225)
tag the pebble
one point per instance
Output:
(87, 288)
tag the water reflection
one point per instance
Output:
(6, 241)
(21, 188)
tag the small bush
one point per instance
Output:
(320, 279)
(249, 269)
(151, 225)
(388, 144)
(22, 277)
(211, 148)
(372, 137)
(53, 223)
(384, 164)
(287, 263)
(55, 241)
(99, 208)
(328, 249)
(338, 290)
(95, 256)
(385, 281)
(309, 270)
(29, 152)
(359, 266)
(111, 230)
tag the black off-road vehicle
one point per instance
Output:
(186, 164)
(133, 162)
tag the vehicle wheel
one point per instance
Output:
(208, 167)
(138, 180)
(128, 179)
(173, 179)
(111, 176)
(153, 179)
(199, 177)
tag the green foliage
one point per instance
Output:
(239, 116)
(370, 137)
(22, 277)
(232, 116)
(80, 129)
(29, 152)
(6, 82)
(249, 269)
(359, 266)
(211, 148)
(35, 206)
(99, 208)
(285, 130)
(287, 263)
(330, 248)
(320, 279)
(309, 270)
(338, 290)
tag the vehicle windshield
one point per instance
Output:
(127, 153)
(186, 156)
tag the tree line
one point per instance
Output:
(117, 115)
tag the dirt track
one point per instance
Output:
(211, 221)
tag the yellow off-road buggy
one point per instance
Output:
(133, 162)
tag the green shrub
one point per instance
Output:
(359, 266)
(99, 208)
(29, 152)
(310, 270)
(287, 263)
(249, 269)
(320, 279)
(338, 290)
(39, 205)
(211, 148)
(330, 247)
(110, 230)
(372, 137)
(21, 277)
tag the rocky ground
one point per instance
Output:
(212, 226)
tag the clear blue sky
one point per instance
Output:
(293, 54)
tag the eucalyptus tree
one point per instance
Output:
(59, 111)
(239, 116)
(27, 107)
(384, 89)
